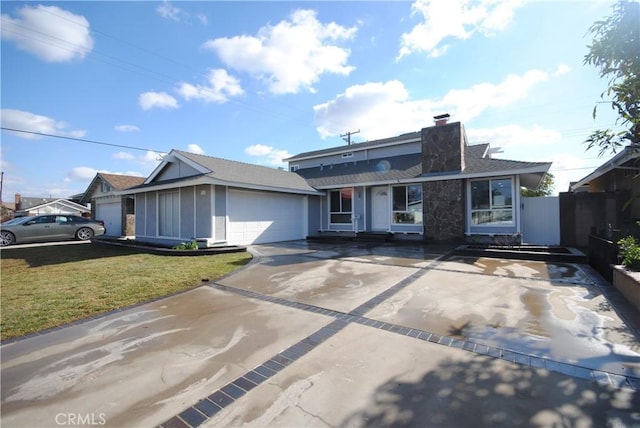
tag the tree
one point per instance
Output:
(545, 188)
(615, 50)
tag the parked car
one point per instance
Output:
(50, 227)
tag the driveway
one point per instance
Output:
(319, 334)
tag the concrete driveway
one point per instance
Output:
(318, 334)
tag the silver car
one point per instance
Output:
(50, 227)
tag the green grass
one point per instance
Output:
(43, 287)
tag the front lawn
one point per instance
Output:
(43, 287)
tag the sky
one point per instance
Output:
(102, 86)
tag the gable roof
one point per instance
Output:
(226, 172)
(408, 168)
(116, 181)
(627, 155)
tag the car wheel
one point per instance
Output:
(84, 233)
(6, 238)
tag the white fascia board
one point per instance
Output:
(350, 149)
(538, 169)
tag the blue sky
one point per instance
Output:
(260, 81)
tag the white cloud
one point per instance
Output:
(457, 19)
(382, 110)
(194, 148)
(147, 161)
(288, 56)
(26, 121)
(268, 154)
(50, 33)
(126, 128)
(149, 100)
(86, 173)
(169, 11)
(220, 86)
(513, 136)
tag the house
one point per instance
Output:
(218, 201)
(114, 209)
(606, 202)
(27, 206)
(429, 184)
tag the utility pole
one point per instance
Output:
(1, 181)
(348, 135)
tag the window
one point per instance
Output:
(105, 188)
(340, 205)
(347, 155)
(407, 204)
(169, 214)
(294, 168)
(491, 202)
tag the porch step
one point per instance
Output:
(524, 252)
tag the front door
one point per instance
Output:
(380, 209)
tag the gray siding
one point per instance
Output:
(314, 217)
(204, 197)
(187, 213)
(176, 170)
(220, 213)
(361, 155)
(152, 214)
(141, 210)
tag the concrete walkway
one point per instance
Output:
(344, 335)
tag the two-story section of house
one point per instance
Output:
(430, 184)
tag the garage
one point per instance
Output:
(261, 217)
(111, 214)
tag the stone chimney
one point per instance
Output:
(443, 146)
(17, 201)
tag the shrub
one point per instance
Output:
(630, 252)
(191, 245)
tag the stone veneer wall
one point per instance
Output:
(443, 210)
(443, 148)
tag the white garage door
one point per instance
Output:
(112, 217)
(260, 217)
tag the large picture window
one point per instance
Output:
(341, 206)
(407, 204)
(492, 202)
(169, 214)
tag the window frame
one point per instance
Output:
(407, 205)
(494, 210)
(342, 211)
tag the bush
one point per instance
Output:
(630, 252)
(192, 245)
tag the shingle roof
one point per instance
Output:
(121, 182)
(406, 167)
(240, 173)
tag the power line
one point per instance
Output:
(63, 137)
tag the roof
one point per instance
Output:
(406, 168)
(121, 182)
(626, 155)
(44, 202)
(357, 146)
(116, 181)
(231, 173)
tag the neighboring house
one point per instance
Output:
(26, 206)
(429, 184)
(116, 210)
(215, 201)
(606, 202)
